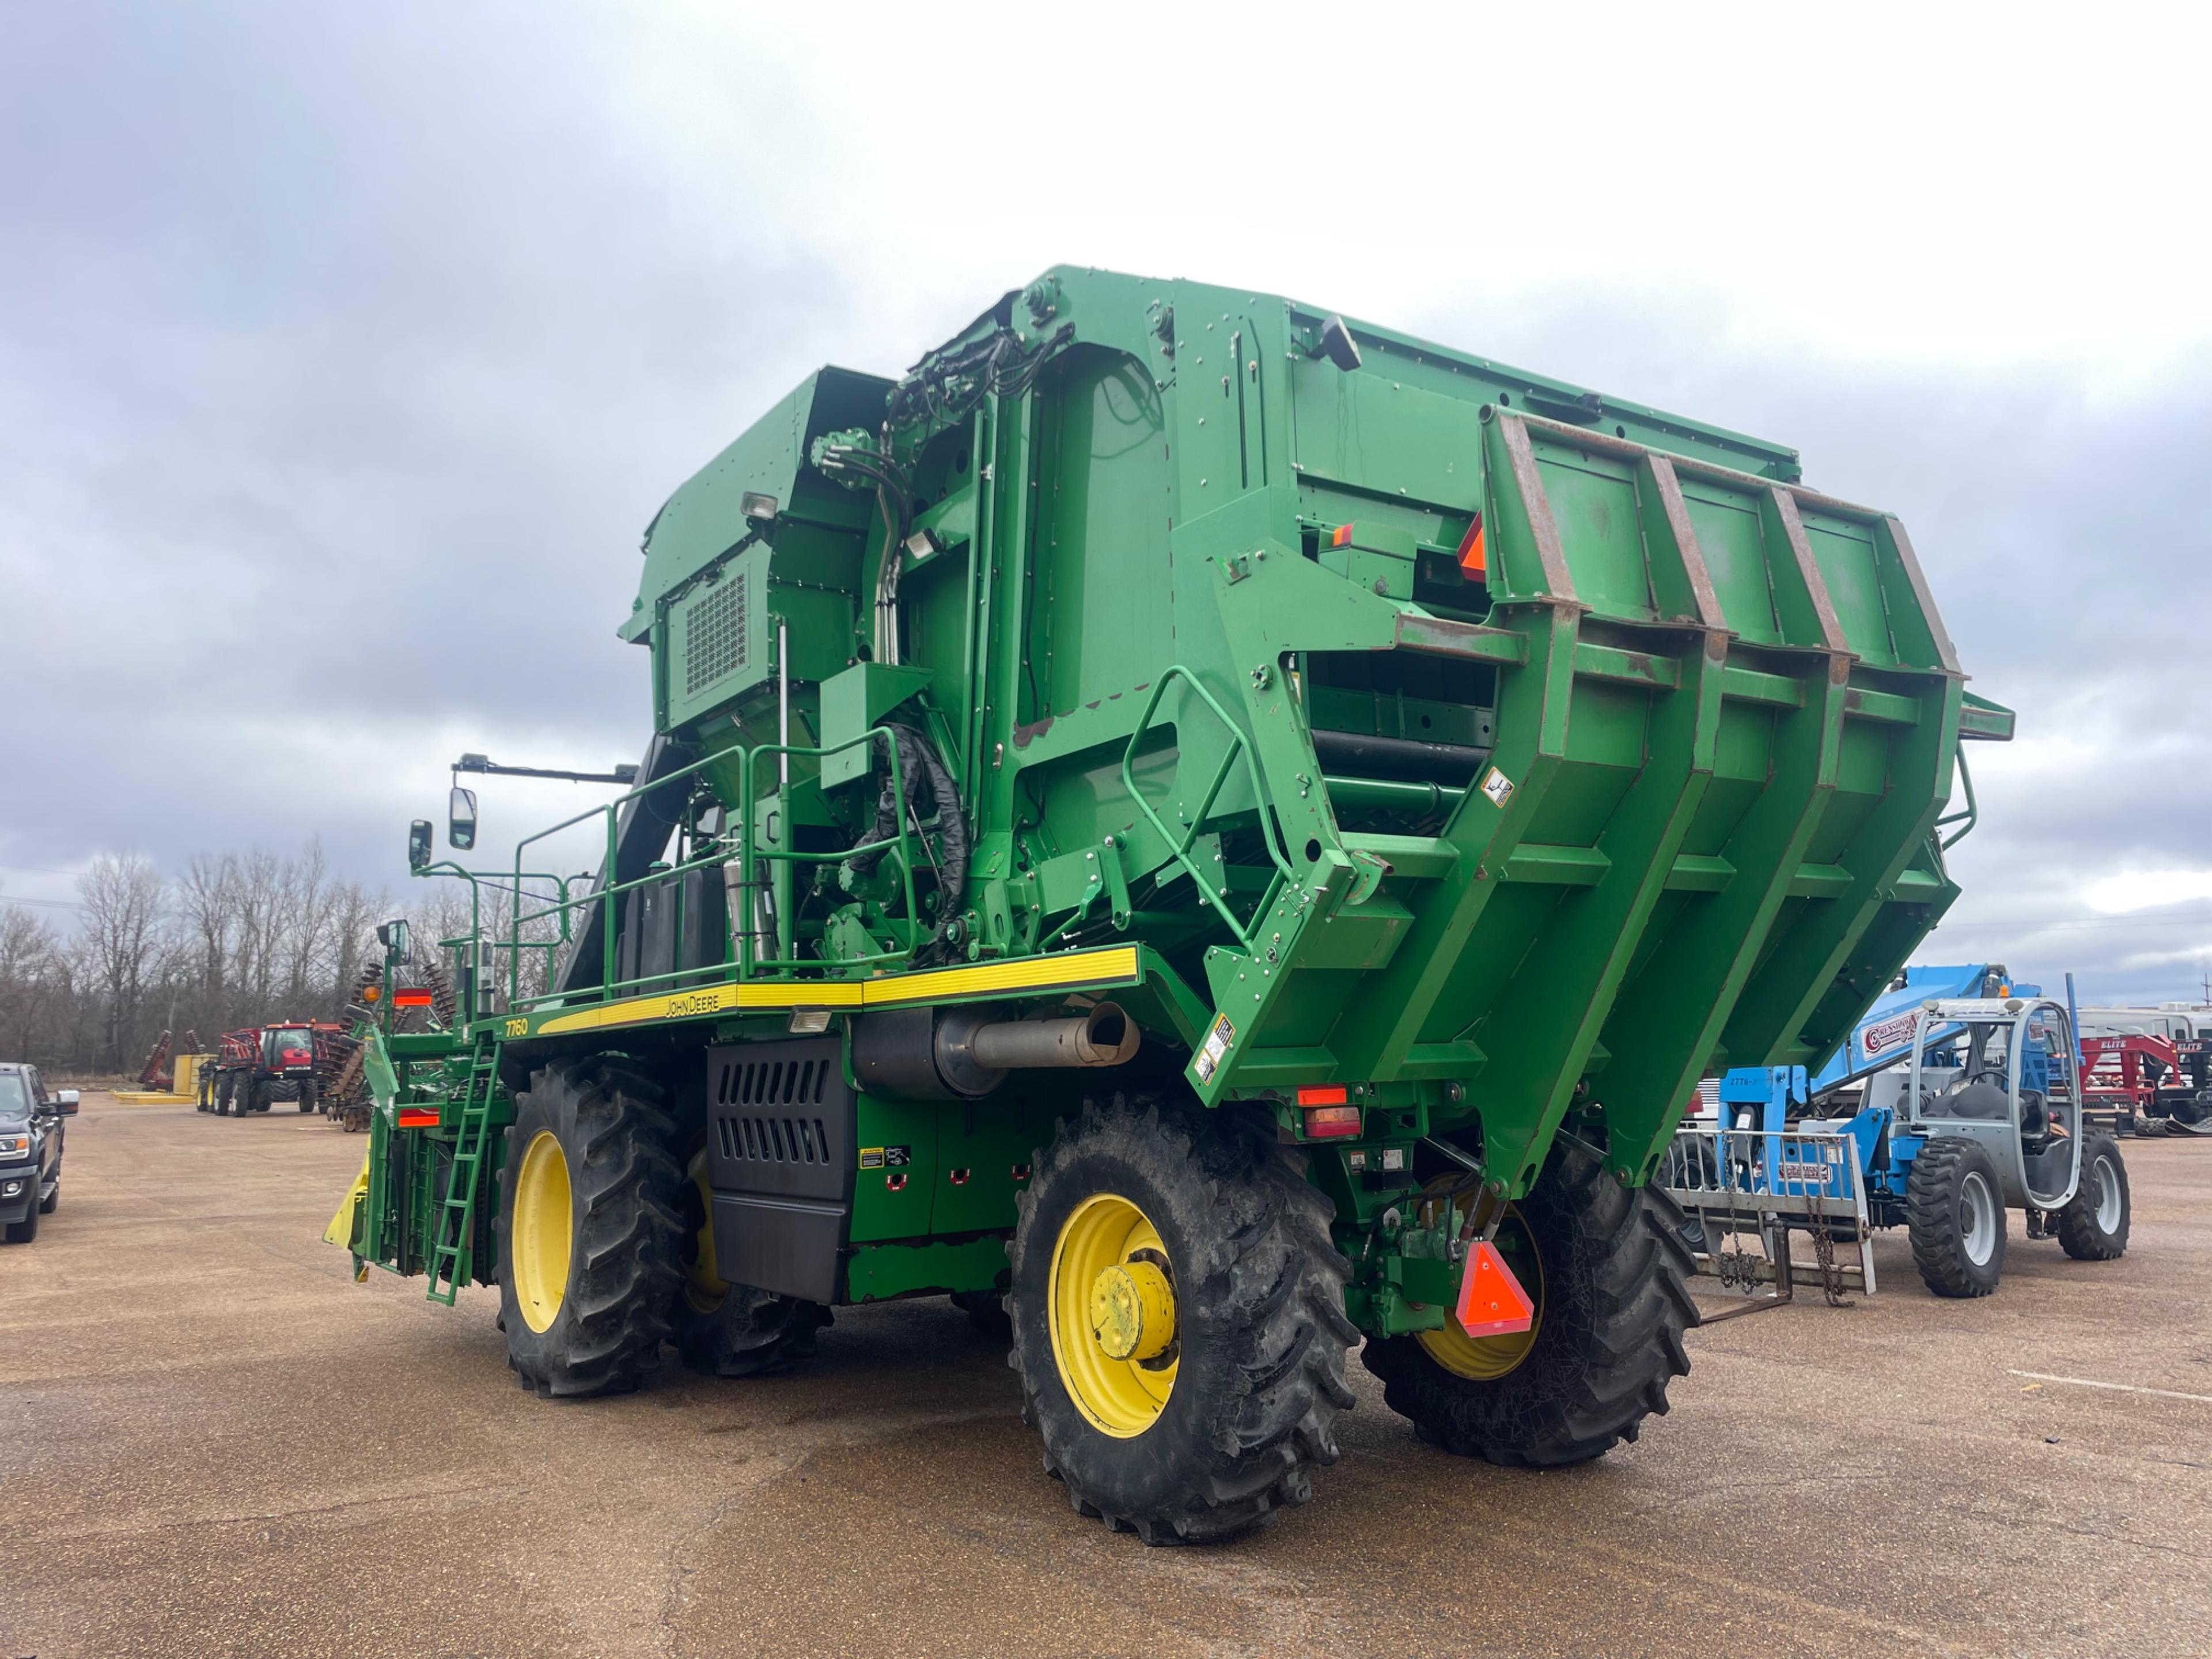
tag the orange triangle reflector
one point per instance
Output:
(1491, 1300)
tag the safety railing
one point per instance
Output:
(745, 845)
(1180, 844)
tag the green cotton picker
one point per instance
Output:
(1214, 835)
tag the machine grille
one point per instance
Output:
(779, 1118)
(714, 635)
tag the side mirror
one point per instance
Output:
(392, 935)
(418, 844)
(65, 1103)
(461, 819)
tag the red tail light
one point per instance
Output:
(411, 999)
(1332, 1122)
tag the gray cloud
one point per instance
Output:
(343, 355)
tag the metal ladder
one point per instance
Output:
(451, 1256)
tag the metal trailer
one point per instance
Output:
(1207, 832)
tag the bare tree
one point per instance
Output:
(206, 903)
(122, 896)
(29, 953)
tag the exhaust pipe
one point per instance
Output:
(1103, 1037)
(961, 1053)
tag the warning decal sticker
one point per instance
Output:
(1212, 1052)
(1497, 786)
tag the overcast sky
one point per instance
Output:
(346, 349)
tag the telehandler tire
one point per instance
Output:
(2093, 1226)
(1954, 1214)
(1178, 1320)
(732, 1330)
(588, 1229)
(1607, 1268)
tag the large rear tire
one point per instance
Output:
(732, 1330)
(1608, 1266)
(588, 1229)
(2093, 1226)
(1178, 1320)
(1954, 1214)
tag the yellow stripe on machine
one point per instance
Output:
(1116, 965)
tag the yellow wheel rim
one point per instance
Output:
(704, 1288)
(543, 1230)
(1111, 1308)
(1487, 1358)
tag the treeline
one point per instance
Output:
(234, 939)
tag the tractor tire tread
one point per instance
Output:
(1602, 1361)
(1931, 1216)
(623, 1178)
(1266, 1273)
(2079, 1233)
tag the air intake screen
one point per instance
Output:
(714, 634)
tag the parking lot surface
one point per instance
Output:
(217, 1443)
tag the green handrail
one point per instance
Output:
(1238, 746)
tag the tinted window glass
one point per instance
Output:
(15, 1096)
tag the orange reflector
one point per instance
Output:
(418, 1117)
(1491, 1300)
(1319, 1096)
(1470, 549)
(1330, 1122)
(1340, 535)
(371, 993)
(420, 999)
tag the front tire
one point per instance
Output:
(2093, 1225)
(587, 1229)
(1178, 1320)
(1608, 1266)
(1954, 1214)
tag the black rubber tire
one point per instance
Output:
(750, 1331)
(1259, 1321)
(1616, 1302)
(23, 1232)
(1935, 1216)
(608, 1116)
(306, 1098)
(252, 1096)
(52, 1201)
(987, 1312)
(222, 1094)
(2079, 1234)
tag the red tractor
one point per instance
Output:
(259, 1065)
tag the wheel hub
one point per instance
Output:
(1111, 1314)
(544, 1227)
(1132, 1312)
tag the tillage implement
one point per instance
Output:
(1210, 834)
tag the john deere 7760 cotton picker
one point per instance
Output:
(1222, 832)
